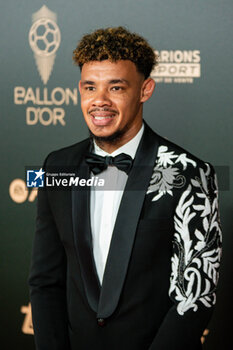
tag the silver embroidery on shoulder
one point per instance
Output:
(165, 176)
(166, 158)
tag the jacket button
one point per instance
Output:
(101, 322)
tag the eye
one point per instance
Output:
(116, 88)
(89, 88)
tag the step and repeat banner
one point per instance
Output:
(40, 112)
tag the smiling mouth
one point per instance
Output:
(102, 117)
(102, 114)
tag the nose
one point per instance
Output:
(101, 99)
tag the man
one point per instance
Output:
(132, 268)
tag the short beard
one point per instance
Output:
(111, 139)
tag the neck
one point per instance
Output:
(113, 142)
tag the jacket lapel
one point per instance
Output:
(126, 224)
(83, 237)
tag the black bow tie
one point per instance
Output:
(97, 163)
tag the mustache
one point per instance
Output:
(105, 109)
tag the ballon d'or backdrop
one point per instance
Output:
(40, 112)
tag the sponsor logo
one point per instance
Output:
(45, 115)
(45, 106)
(27, 327)
(35, 178)
(44, 39)
(177, 66)
(19, 192)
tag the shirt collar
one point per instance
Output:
(129, 148)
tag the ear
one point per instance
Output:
(79, 86)
(147, 89)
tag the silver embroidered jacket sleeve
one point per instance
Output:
(196, 251)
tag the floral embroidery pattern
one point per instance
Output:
(163, 180)
(165, 177)
(197, 252)
(169, 158)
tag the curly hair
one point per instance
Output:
(116, 44)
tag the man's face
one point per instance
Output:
(111, 99)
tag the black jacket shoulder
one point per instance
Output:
(176, 155)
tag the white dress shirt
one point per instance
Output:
(104, 205)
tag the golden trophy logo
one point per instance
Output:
(44, 39)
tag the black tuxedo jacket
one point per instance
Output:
(160, 279)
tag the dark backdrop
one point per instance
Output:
(40, 112)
